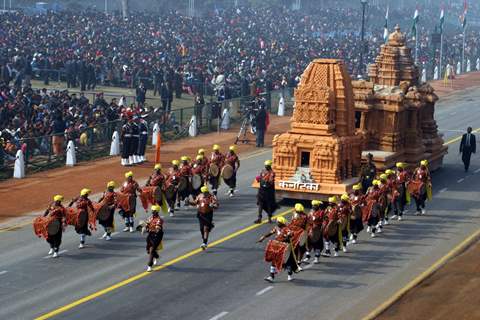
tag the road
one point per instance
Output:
(226, 281)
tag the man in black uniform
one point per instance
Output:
(142, 143)
(368, 173)
(126, 137)
(132, 156)
(468, 145)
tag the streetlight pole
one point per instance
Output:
(362, 40)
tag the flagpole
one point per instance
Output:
(416, 45)
(441, 54)
(463, 51)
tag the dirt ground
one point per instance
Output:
(20, 197)
(452, 292)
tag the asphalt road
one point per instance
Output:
(226, 281)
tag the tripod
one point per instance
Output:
(242, 134)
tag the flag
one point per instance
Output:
(415, 21)
(464, 18)
(385, 27)
(442, 20)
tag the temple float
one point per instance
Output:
(336, 122)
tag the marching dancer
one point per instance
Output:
(316, 222)
(84, 204)
(154, 227)
(332, 230)
(357, 201)
(130, 187)
(344, 214)
(384, 190)
(299, 221)
(157, 178)
(368, 173)
(266, 193)
(56, 211)
(185, 173)
(232, 159)
(373, 199)
(217, 159)
(402, 178)
(110, 199)
(201, 152)
(422, 177)
(282, 235)
(199, 169)
(171, 186)
(206, 203)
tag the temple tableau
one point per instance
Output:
(336, 122)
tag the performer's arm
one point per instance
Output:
(46, 211)
(72, 202)
(267, 235)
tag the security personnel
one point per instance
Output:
(368, 173)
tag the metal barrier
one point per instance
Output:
(45, 152)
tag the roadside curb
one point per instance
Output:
(460, 248)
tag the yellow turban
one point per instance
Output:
(299, 207)
(128, 174)
(85, 192)
(345, 197)
(332, 199)
(158, 166)
(316, 202)
(268, 163)
(111, 184)
(58, 197)
(175, 162)
(216, 147)
(281, 220)
(156, 208)
(204, 189)
(357, 187)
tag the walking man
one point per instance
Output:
(467, 147)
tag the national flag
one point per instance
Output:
(385, 27)
(442, 20)
(415, 22)
(464, 18)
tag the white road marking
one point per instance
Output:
(3, 272)
(443, 190)
(59, 252)
(477, 171)
(452, 130)
(219, 316)
(308, 266)
(460, 180)
(259, 293)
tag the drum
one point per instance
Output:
(315, 234)
(415, 187)
(299, 237)
(170, 192)
(227, 172)
(214, 170)
(277, 253)
(197, 182)
(102, 212)
(182, 184)
(332, 228)
(53, 227)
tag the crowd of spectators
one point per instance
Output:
(232, 49)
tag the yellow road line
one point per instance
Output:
(459, 138)
(427, 273)
(144, 274)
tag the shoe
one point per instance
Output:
(351, 236)
(203, 246)
(104, 235)
(400, 218)
(369, 229)
(51, 251)
(258, 221)
(373, 235)
(81, 246)
(289, 278)
(417, 213)
(132, 230)
(385, 222)
(299, 269)
(307, 258)
(108, 238)
(354, 241)
(379, 230)
(55, 255)
(316, 260)
(230, 194)
(268, 279)
(149, 269)
(171, 213)
(126, 229)
(424, 212)
(394, 217)
(345, 249)
(155, 262)
(335, 254)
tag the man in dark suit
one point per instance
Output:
(467, 147)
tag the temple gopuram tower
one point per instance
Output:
(395, 112)
(320, 155)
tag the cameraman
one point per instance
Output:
(261, 124)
